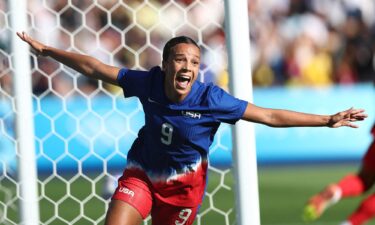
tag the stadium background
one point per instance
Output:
(312, 56)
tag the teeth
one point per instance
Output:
(185, 78)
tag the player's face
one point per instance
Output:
(181, 70)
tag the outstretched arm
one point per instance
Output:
(286, 118)
(84, 64)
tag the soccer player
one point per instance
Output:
(349, 186)
(166, 168)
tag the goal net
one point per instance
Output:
(84, 128)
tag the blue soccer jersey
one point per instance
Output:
(172, 147)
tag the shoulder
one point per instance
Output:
(204, 88)
(139, 82)
(126, 74)
(201, 91)
(126, 71)
(219, 98)
(215, 91)
(155, 70)
(206, 93)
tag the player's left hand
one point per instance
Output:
(346, 118)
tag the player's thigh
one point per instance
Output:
(122, 213)
(131, 202)
(165, 214)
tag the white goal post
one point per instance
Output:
(244, 151)
(24, 123)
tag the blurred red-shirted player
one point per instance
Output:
(349, 186)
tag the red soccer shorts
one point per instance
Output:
(135, 189)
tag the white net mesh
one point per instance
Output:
(84, 128)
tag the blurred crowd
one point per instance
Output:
(312, 42)
(293, 42)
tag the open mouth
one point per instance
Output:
(183, 81)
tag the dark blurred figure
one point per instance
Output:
(356, 62)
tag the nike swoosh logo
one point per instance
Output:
(152, 101)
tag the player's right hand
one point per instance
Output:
(36, 46)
